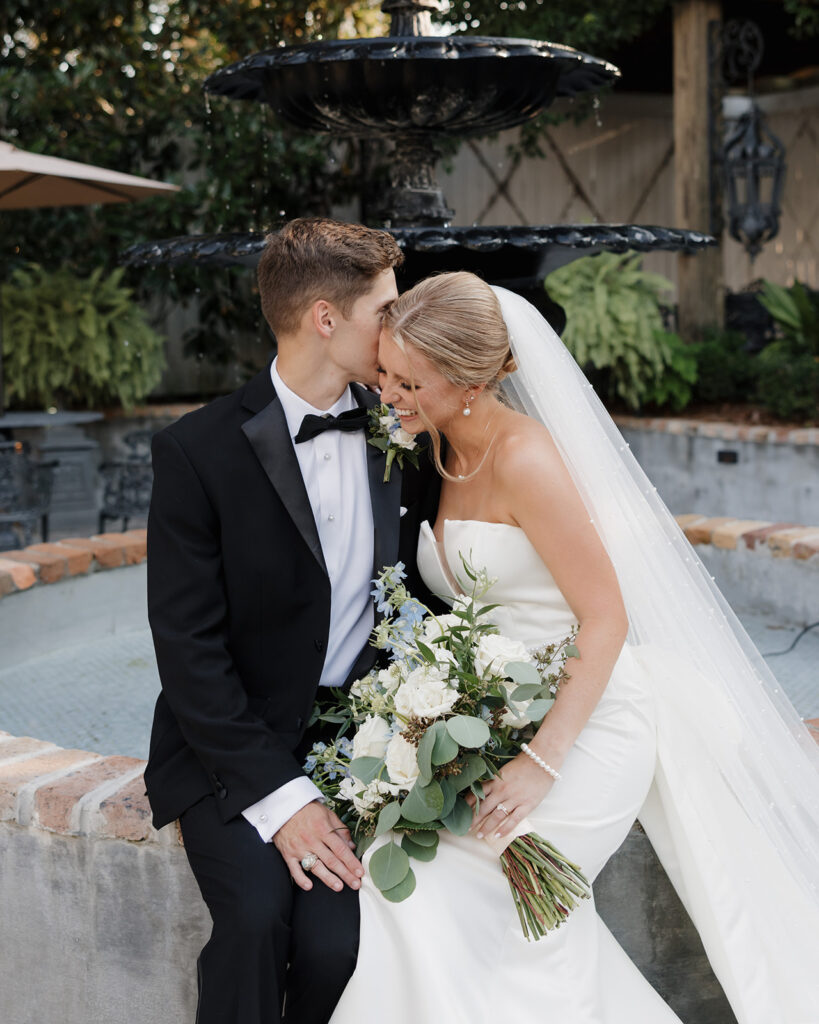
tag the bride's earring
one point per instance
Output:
(467, 410)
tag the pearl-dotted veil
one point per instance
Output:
(735, 762)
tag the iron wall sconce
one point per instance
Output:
(747, 161)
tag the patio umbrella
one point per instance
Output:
(30, 180)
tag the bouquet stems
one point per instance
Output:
(545, 885)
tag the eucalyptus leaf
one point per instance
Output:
(388, 817)
(388, 866)
(425, 838)
(365, 769)
(537, 709)
(467, 730)
(474, 767)
(445, 747)
(450, 793)
(364, 843)
(424, 753)
(528, 691)
(412, 849)
(459, 818)
(405, 888)
(523, 673)
(423, 803)
(572, 651)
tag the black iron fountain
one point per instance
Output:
(414, 89)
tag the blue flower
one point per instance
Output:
(412, 611)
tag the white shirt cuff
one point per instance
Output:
(271, 812)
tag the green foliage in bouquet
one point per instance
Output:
(452, 709)
(77, 341)
(614, 324)
(787, 370)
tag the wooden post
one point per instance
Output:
(700, 278)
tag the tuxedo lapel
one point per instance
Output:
(270, 439)
(385, 498)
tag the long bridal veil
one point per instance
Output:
(733, 812)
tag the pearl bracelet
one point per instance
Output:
(540, 762)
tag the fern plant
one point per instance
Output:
(613, 323)
(76, 341)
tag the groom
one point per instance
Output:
(268, 520)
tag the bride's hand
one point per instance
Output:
(516, 792)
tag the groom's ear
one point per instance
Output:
(324, 318)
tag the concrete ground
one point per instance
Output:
(99, 696)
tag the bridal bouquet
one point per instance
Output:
(452, 708)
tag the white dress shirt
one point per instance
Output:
(334, 469)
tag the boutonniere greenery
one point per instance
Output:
(388, 436)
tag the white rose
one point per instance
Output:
(371, 738)
(402, 762)
(390, 678)
(434, 628)
(425, 693)
(494, 652)
(403, 438)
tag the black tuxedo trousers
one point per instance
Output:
(239, 607)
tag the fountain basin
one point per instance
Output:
(412, 86)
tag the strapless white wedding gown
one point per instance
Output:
(454, 951)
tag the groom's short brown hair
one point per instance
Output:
(314, 258)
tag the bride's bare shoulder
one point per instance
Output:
(525, 446)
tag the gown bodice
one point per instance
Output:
(532, 608)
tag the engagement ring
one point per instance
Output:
(505, 811)
(309, 862)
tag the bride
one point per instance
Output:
(670, 714)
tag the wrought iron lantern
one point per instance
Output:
(752, 158)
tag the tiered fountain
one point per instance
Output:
(414, 89)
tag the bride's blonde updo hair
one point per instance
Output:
(455, 321)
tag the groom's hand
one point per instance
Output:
(315, 829)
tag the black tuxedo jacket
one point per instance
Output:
(239, 597)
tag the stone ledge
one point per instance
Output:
(722, 431)
(73, 556)
(781, 540)
(75, 792)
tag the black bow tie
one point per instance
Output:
(312, 426)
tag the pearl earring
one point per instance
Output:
(467, 410)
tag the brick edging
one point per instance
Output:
(78, 793)
(73, 556)
(782, 540)
(74, 792)
(724, 431)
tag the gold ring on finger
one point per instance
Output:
(505, 810)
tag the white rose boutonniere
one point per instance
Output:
(387, 434)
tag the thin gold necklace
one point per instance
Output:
(463, 476)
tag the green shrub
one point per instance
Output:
(674, 388)
(613, 324)
(788, 383)
(725, 370)
(76, 341)
(787, 370)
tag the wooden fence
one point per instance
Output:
(618, 166)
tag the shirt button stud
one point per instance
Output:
(327, 456)
(262, 817)
(331, 517)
